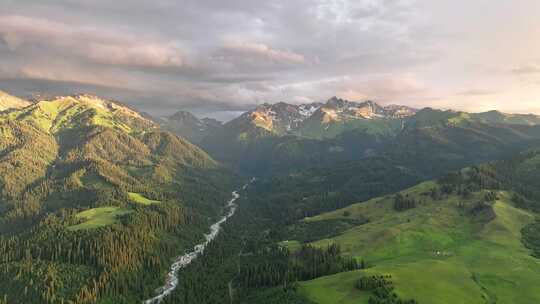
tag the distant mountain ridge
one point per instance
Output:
(500, 117)
(189, 126)
(311, 120)
(315, 119)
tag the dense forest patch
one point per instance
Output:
(531, 237)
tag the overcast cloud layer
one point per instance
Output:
(226, 56)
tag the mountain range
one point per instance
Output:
(291, 136)
(97, 199)
(328, 120)
(285, 136)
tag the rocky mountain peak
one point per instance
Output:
(399, 111)
(183, 116)
(290, 119)
(189, 126)
(335, 102)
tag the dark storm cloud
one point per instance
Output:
(229, 55)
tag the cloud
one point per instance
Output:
(476, 92)
(240, 54)
(97, 45)
(527, 70)
(252, 51)
(214, 56)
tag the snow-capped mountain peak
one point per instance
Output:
(284, 118)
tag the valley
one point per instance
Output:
(184, 260)
(353, 203)
(269, 152)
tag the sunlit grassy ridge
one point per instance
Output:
(61, 133)
(75, 111)
(139, 199)
(436, 253)
(11, 102)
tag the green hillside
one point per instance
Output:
(95, 200)
(467, 250)
(504, 118)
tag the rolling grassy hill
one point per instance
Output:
(444, 250)
(53, 116)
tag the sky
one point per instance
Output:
(219, 58)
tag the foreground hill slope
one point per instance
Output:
(470, 237)
(464, 257)
(98, 197)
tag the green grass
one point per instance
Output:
(139, 199)
(336, 289)
(436, 253)
(99, 217)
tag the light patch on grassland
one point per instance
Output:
(139, 199)
(99, 217)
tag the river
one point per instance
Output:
(180, 262)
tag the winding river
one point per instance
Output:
(182, 261)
